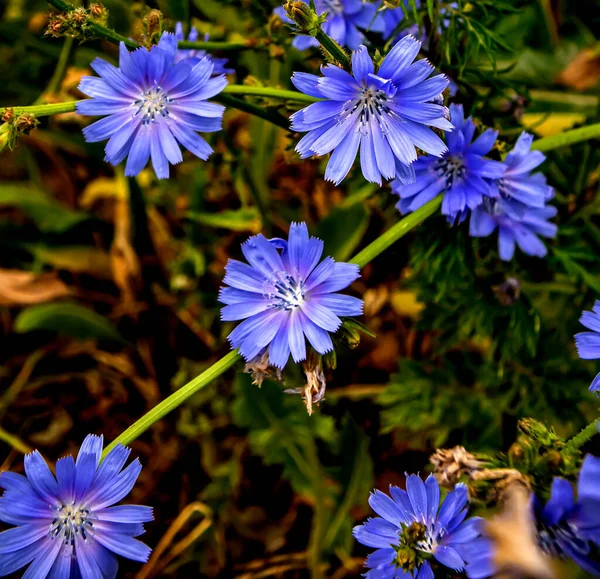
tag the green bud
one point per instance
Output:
(304, 16)
(538, 432)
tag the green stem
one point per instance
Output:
(334, 49)
(271, 116)
(223, 46)
(567, 138)
(169, 404)
(393, 234)
(580, 439)
(98, 30)
(44, 110)
(265, 91)
(61, 68)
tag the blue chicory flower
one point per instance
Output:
(385, 114)
(588, 343)
(412, 528)
(344, 18)
(522, 229)
(152, 104)
(285, 295)
(462, 172)
(194, 56)
(566, 526)
(66, 526)
(518, 187)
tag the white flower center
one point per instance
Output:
(152, 104)
(284, 291)
(72, 521)
(371, 105)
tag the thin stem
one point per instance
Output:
(271, 116)
(567, 138)
(223, 46)
(266, 91)
(170, 403)
(393, 234)
(14, 441)
(580, 439)
(98, 30)
(44, 110)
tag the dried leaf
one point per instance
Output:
(583, 71)
(26, 288)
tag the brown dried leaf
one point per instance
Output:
(583, 71)
(25, 288)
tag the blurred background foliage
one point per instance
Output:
(108, 289)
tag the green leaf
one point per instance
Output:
(48, 214)
(67, 319)
(245, 219)
(573, 268)
(342, 230)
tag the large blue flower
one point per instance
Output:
(384, 114)
(342, 23)
(588, 343)
(194, 56)
(283, 296)
(522, 227)
(518, 187)
(566, 526)
(461, 173)
(152, 104)
(413, 530)
(66, 526)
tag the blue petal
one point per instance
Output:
(319, 338)
(105, 560)
(139, 152)
(362, 65)
(262, 255)
(296, 337)
(194, 143)
(22, 536)
(307, 83)
(432, 489)
(244, 277)
(125, 546)
(398, 59)
(338, 277)
(506, 244)
(343, 157)
(40, 477)
(112, 491)
(417, 496)
(385, 507)
(449, 557)
(321, 316)
(376, 533)
(279, 349)
(87, 563)
(65, 475)
(425, 572)
(340, 304)
(10, 562)
(44, 561)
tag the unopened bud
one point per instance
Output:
(25, 123)
(98, 13)
(303, 15)
(78, 17)
(154, 25)
(56, 25)
(537, 431)
(8, 115)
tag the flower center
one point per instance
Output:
(371, 105)
(152, 104)
(551, 538)
(452, 168)
(285, 291)
(71, 521)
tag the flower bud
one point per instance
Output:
(303, 15)
(537, 431)
(5, 130)
(154, 25)
(98, 13)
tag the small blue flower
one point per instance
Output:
(413, 527)
(344, 18)
(566, 526)
(66, 526)
(462, 173)
(285, 295)
(385, 114)
(588, 343)
(518, 186)
(194, 56)
(522, 229)
(152, 105)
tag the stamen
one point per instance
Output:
(152, 105)
(70, 522)
(285, 292)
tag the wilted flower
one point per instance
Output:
(588, 343)
(460, 174)
(521, 229)
(413, 531)
(568, 527)
(283, 296)
(152, 105)
(384, 114)
(342, 22)
(66, 526)
(194, 56)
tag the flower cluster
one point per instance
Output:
(385, 114)
(66, 526)
(413, 531)
(155, 101)
(497, 195)
(345, 21)
(588, 343)
(285, 295)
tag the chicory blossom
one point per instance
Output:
(385, 114)
(285, 295)
(413, 530)
(588, 343)
(522, 229)
(66, 526)
(342, 23)
(153, 104)
(462, 172)
(194, 55)
(567, 527)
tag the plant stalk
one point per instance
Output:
(580, 439)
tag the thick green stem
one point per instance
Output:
(43, 110)
(580, 439)
(223, 46)
(169, 404)
(334, 49)
(265, 91)
(567, 138)
(393, 234)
